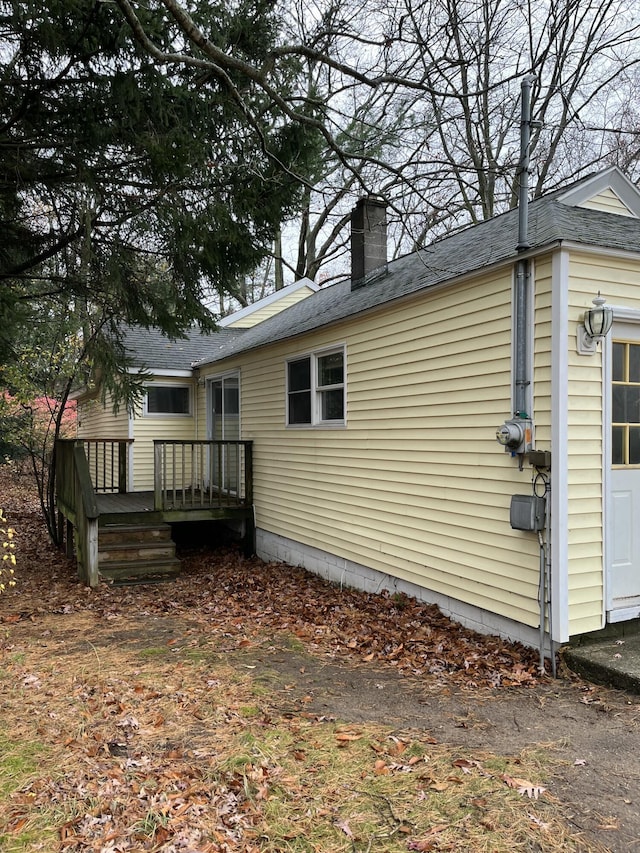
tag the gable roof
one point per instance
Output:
(610, 181)
(552, 221)
(153, 350)
(245, 316)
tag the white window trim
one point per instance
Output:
(316, 421)
(163, 415)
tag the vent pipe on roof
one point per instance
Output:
(368, 239)
(522, 380)
(523, 165)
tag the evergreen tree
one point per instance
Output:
(126, 184)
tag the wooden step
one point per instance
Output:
(137, 553)
(144, 571)
(117, 533)
(133, 551)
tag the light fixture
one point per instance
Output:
(594, 327)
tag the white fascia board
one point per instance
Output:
(159, 373)
(268, 300)
(559, 446)
(602, 251)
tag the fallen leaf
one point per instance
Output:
(344, 826)
(523, 786)
(428, 842)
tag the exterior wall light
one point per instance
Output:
(595, 326)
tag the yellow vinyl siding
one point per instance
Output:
(608, 202)
(542, 352)
(415, 485)
(97, 421)
(146, 429)
(617, 278)
(270, 310)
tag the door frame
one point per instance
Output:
(630, 317)
(217, 377)
(220, 377)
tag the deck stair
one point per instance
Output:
(139, 553)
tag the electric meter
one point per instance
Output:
(516, 435)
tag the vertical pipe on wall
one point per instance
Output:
(522, 381)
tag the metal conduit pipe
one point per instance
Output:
(521, 373)
(522, 271)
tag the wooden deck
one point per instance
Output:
(138, 508)
(194, 481)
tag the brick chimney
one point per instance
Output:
(368, 239)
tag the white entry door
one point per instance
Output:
(623, 577)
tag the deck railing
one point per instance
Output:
(76, 501)
(202, 474)
(108, 459)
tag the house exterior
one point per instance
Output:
(169, 408)
(373, 407)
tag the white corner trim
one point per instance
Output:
(559, 445)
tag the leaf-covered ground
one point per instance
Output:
(253, 707)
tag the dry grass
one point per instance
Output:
(117, 740)
(127, 727)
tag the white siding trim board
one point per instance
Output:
(131, 450)
(160, 372)
(559, 446)
(600, 251)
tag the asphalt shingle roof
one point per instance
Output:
(483, 245)
(486, 244)
(154, 351)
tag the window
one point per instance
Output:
(168, 400)
(315, 389)
(625, 415)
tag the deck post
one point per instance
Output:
(68, 539)
(122, 467)
(158, 448)
(60, 529)
(248, 473)
(93, 576)
(249, 538)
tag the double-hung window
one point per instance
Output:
(316, 389)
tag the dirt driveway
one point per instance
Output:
(593, 731)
